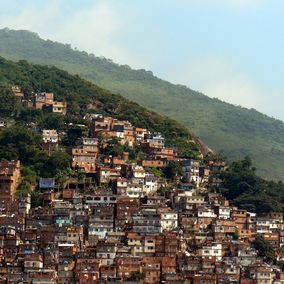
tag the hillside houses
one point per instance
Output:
(120, 236)
(46, 101)
(40, 101)
(116, 216)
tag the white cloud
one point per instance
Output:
(233, 4)
(220, 78)
(30, 17)
(244, 3)
(96, 29)
(93, 30)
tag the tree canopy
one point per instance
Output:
(244, 188)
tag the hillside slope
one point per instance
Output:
(83, 97)
(231, 130)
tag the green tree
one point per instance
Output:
(245, 189)
(264, 248)
(9, 104)
(138, 276)
(18, 142)
(57, 162)
(172, 169)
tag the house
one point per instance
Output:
(214, 251)
(46, 101)
(120, 186)
(103, 174)
(59, 108)
(221, 228)
(169, 219)
(139, 134)
(50, 135)
(33, 261)
(154, 140)
(17, 92)
(263, 225)
(138, 174)
(89, 143)
(9, 179)
(50, 140)
(100, 197)
(129, 136)
(273, 239)
(152, 269)
(204, 279)
(2, 124)
(46, 184)
(106, 253)
(24, 201)
(127, 266)
(204, 174)
(84, 159)
(150, 184)
(108, 272)
(190, 170)
(125, 208)
(205, 216)
(102, 221)
(87, 270)
(263, 275)
(169, 266)
(147, 221)
(215, 168)
(247, 235)
(154, 163)
(134, 190)
(240, 218)
(223, 212)
(166, 244)
(47, 276)
(43, 99)
(75, 235)
(100, 124)
(134, 242)
(189, 202)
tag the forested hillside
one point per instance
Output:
(231, 130)
(82, 97)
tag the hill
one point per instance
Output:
(232, 130)
(21, 138)
(82, 97)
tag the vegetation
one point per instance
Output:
(83, 97)
(138, 276)
(20, 143)
(231, 130)
(158, 173)
(173, 169)
(264, 249)
(248, 191)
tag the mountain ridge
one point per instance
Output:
(232, 130)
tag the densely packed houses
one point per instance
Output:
(122, 222)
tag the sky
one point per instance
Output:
(227, 49)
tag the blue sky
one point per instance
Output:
(230, 49)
